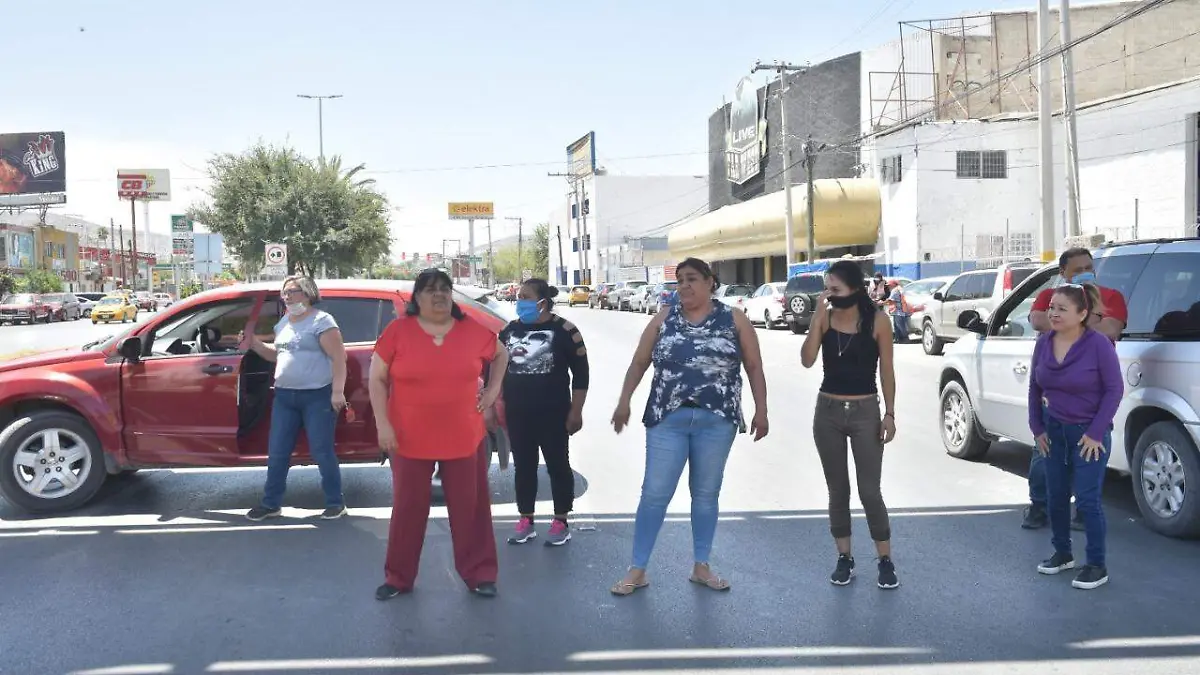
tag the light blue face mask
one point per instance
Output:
(528, 311)
(1084, 278)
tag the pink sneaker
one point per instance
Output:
(524, 532)
(559, 534)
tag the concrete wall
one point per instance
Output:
(825, 102)
(1139, 148)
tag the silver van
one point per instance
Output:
(979, 290)
(985, 376)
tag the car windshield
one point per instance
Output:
(925, 286)
(111, 301)
(17, 299)
(806, 283)
(57, 297)
(738, 291)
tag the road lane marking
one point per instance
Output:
(322, 665)
(1138, 642)
(742, 653)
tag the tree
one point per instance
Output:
(329, 218)
(504, 265)
(540, 265)
(8, 283)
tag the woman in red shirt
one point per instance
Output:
(424, 386)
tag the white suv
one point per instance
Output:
(985, 377)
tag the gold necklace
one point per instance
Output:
(439, 338)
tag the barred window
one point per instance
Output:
(981, 164)
(892, 169)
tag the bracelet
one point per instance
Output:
(889, 415)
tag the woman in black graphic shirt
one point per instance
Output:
(544, 390)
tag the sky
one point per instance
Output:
(465, 100)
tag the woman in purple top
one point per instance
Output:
(1073, 395)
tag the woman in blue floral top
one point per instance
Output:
(698, 347)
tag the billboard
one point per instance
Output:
(19, 249)
(471, 211)
(581, 156)
(746, 138)
(181, 235)
(146, 185)
(32, 164)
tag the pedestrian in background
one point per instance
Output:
(901, 311)
(428, 405)
(1074, 392)
(310, 383)
(854, 340)
(698, 347)
(545, 388)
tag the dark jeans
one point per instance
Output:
(858, 422)
(311, 410)
(900, 327)
(544, 431)
(1067, 471)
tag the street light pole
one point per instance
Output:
(783, 69)
(320, 117)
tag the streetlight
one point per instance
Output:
(320, 116)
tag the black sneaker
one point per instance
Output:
(1057, 563)
(844, 572)
(1090, 576)
(260, 513)
(387, 592)
(333, 512)
(1035, 517)
(887, 574)
(486, 590)
(1077, 522)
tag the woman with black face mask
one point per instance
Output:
(854, 340)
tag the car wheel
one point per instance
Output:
(50, 462)
(960, 433)
(1166, 480)
(797, 328)
(767, 322)
(930, 341)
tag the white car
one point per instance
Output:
(919, 294)
(734, 295)
(164, 300)
(765, 306)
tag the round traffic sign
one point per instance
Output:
(276, 254)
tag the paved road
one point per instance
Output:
(162, 575)
(21, 339)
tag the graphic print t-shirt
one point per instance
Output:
(545, 362)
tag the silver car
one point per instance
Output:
(979, 290)
(985, 377)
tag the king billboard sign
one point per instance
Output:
(746, 139)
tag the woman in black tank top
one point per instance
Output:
(854, 340)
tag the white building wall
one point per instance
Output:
(623, 208)
(1139, 148)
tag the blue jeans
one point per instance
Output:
(312, 410)
(1067, 472)
(701, 440)
(900, 327)
(1037, 478)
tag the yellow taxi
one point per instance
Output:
(114, 308)
(579, 294)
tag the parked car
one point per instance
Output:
(979, 290)
(985, 376)
(23, 308)
(87, 301)
(564, 292)
(637, 300)
(663, 293)
(734, 295)
(618, 298)
(800, 299)
(178, 390)
(114, 308)
(164, 300)
(579, 295)
(766, 305)
(63, 306)
(919, 295)
(598, 295)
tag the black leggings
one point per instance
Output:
(548, 433)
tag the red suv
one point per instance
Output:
(178, 391)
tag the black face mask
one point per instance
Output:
(844, 301)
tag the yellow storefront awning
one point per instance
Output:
(848, 212)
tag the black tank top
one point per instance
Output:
(850, 362)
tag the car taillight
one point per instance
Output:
(1008, 280)
(779, 299)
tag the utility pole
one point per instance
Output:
(1068, 77)
(1045, 137)
(578, 203)
(121, 239)
(133, 231)
(785, 150)
(491, 260)
(520, 245)
(560, 276)
(320, 117)
(810, 160)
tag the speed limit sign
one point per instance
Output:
(276, 255)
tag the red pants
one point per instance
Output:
(469, 504)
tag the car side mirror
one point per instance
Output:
(971, 321)
(131, 349)
(938, 296)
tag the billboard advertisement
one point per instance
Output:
(145, 185)
(18, 249)
(581, 156)
(471, 211)
(32, 164)
(746, 139)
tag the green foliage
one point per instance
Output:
(8, 283)
(539, 263)
(190, 289)
(504, 265)
(41, 281)
(328, 217)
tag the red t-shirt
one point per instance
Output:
(435, 389)
(1114, 303)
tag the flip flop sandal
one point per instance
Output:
(714, 582)
(624, 588)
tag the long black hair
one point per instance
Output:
(425, 279)
(849, 273)
(543, 290)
